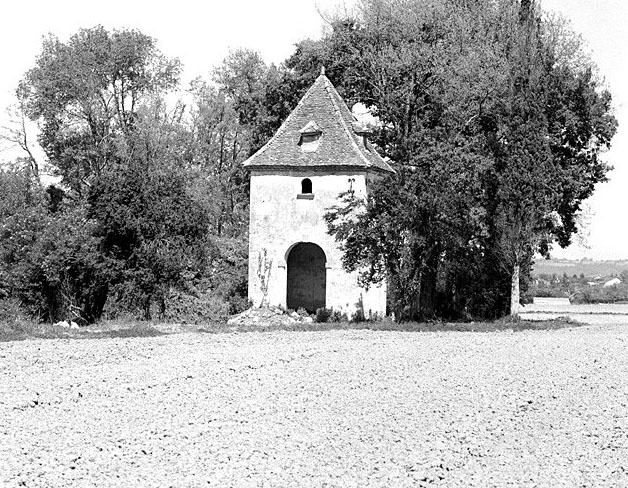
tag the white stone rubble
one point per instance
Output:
(267, 317)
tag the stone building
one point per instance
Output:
(318, 153)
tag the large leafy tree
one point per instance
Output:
(549, 138)
(121, 154)
(85, 94)
(428, 78)
(152, 229)
(496, 133)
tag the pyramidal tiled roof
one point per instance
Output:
(341, 142)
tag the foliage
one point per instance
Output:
(85, 94)
(258, 94)
(601, 294)
(50, 262)
(150, 226)
(217, 146)
(580, 288)
(194, 309)
(22, 330)
(389, 325)
(162, 186)
(264, 268)
(128, 161)
(586, 267)
(496, 139)
(302, 312)
(323, 315)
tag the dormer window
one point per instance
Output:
(310, 137)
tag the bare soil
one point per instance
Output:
(327, 408)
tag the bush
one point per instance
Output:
(238, 304)
(338, 316)
(600, 294)
(358, 316)
(9, 310)
(323, 314)
(53, 265)
(150, 228)
(548, 293)
(190, 309)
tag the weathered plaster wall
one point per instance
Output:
(279, 220)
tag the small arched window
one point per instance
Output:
(306, 186)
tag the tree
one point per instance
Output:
(152, 230)
(401, 61)
(48, 261)
(546, 163)
(257, 94)
(123, 221)
(218, 146)
(16, 134)
(85, 94)
(231, 117)
(471, 96)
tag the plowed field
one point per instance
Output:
(335, 408)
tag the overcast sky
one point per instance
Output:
(200, 33)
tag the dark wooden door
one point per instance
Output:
(307, 277)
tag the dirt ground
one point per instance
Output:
(313, 409)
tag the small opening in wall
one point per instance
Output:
(306, 186)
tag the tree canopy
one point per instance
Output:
(496, 137)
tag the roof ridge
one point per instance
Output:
(344, 123)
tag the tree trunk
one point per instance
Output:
(514, 292)
(429, 276)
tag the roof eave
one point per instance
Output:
(318, 167)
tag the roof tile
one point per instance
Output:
(339, 146)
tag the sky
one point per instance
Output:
(201, 34)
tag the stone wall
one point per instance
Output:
(281, 217)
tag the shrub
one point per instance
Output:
(330, 315)
(151, 228)
(323, 314)
(53, 265)
(9, 310)
(238, 304)
(601, 294)
(191, 309)
(338, 316)
(358, 316)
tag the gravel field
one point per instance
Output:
(314, 409)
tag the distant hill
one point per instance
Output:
(584, 266)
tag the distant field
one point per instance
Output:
(588, 268)
(592, 313)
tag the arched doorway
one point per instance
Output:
(307, 277)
